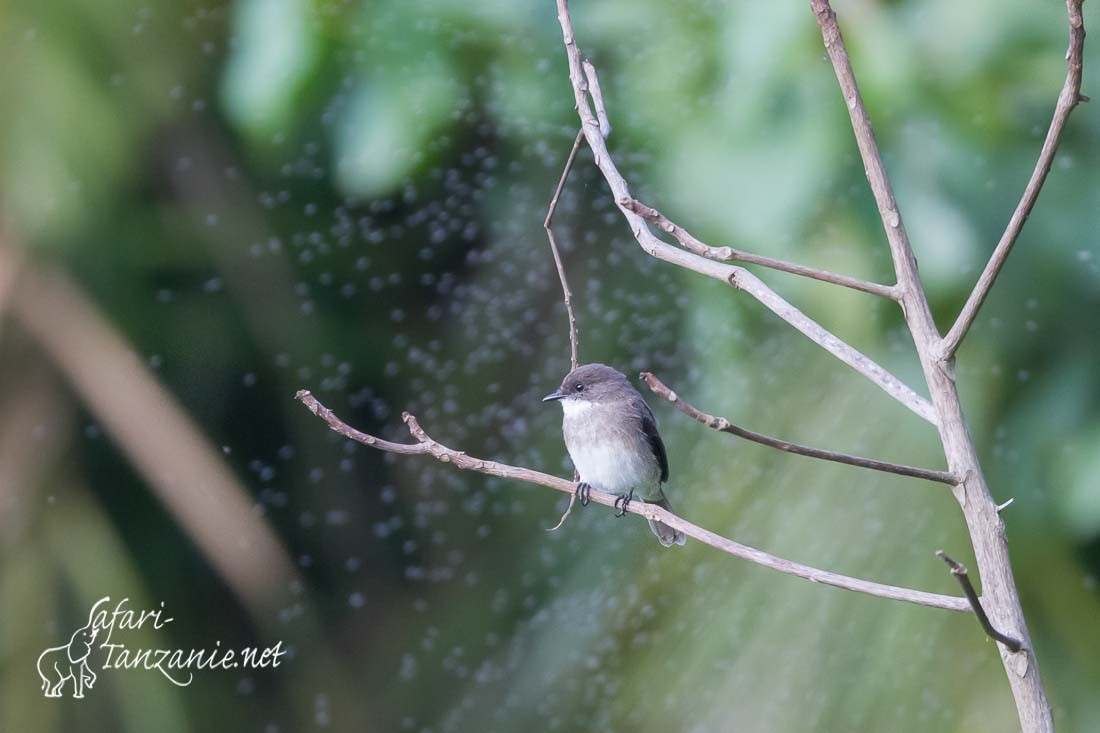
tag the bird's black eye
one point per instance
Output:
(579, 387)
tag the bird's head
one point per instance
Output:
(592, 383)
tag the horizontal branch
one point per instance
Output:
(723, 425)
(727, 254)
(425, 445)
(735, 276)
(1067, 100)
(959, 571)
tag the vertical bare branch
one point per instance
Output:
(1067, 100)
(1001, 600)
(567, 294)
(905, 264)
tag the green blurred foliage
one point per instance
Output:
(268, 195)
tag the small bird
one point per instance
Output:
(612, 438)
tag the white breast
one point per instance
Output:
(614, 460)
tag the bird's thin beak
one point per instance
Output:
(555, 395)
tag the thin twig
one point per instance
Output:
(721, 424)
(738, 277)
(959, 571)
(425, 445)
(726, 254)
(567, 294)
(1067, 100)
(567, 512)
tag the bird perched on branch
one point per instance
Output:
(612, 438)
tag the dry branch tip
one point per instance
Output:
(959, 571)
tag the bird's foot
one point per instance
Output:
(582, 493)
(622, 502)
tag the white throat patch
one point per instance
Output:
(572, 407)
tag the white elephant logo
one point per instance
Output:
(57, 665)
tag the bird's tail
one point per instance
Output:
(666, 534)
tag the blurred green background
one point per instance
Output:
(209, 206)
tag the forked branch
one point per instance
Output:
(425, 445)
(737, 277)
(723, 425)
(1000, 596)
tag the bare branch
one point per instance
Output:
(11, 260)
(1001, 598)
(597, 99)
(425, 445)
(1067, 100)
(567, 295)
(738, 277)
(568, 509)
(723, 425)
(905, 264)
(959, 571)
(690, 242)
(156, 434)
